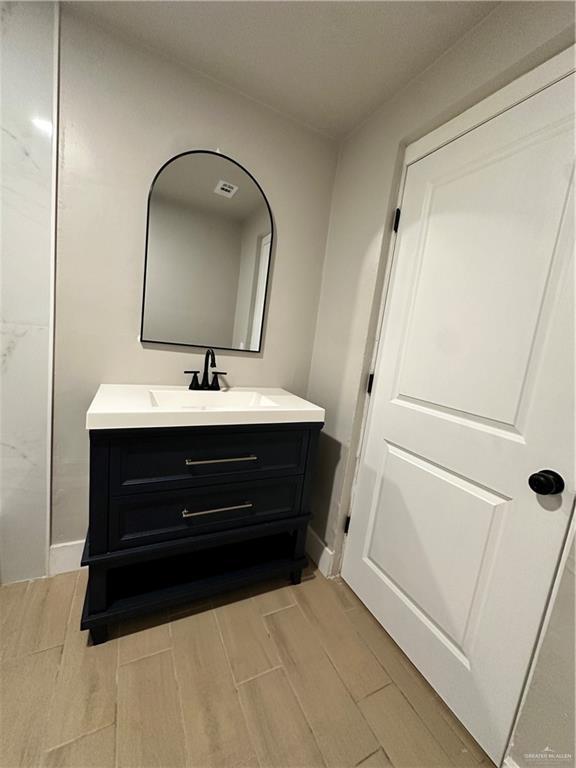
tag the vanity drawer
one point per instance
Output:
(181, 460)
(152, 517)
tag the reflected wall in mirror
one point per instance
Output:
(208, 246)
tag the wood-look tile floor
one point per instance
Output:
(274, 676)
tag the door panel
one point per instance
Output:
(470, 218)
(473, 392)
(432, 541)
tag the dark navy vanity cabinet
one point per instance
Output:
(186, 512)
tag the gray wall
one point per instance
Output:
(514, 38)
(28, 56)
(544, 732)
(124, 112)
(192, 270)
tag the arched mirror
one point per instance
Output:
(208, 245)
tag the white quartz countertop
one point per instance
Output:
(129, 406)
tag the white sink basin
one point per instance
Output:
(225, 400)
(125, 406)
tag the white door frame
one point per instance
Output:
(557, 68)
(261, 275)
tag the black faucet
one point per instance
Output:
(209, 359)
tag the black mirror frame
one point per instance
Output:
(272, 238)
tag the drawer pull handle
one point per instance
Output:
(194, 462)
(186, 513)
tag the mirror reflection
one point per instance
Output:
(208, 245)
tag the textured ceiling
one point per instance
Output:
(325, 64)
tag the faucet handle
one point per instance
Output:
(215, 383)
(194, 384)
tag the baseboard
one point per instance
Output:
(322, 555)
(65, 557)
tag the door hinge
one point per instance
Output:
(347, 524)
(370, 383)
(396, 219)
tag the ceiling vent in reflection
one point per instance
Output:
(225, 188)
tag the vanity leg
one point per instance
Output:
(99, 634)
(97, 589)
(296, 576)
(299, 553)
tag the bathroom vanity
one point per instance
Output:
(192, 494)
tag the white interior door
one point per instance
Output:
(474, 392)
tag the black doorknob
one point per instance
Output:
(546, 482)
